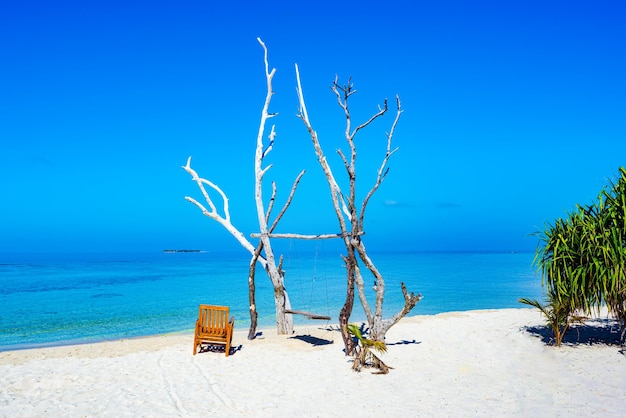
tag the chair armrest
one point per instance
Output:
(230, 327)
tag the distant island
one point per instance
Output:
(183, 251)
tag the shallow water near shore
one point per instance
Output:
(53, 299)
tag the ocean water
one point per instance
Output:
(53, 299)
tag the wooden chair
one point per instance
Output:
(213, 326)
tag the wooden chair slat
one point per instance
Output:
(213, 327)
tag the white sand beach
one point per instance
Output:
(476, 363)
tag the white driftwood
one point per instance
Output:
(304, 236)
(347, 213)
(212, 212)
(284, 322)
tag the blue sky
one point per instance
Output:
(514, 112)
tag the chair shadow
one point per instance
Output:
(599, 331)
(217, 348)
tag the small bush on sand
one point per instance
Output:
(363, 354)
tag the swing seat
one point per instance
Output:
(308, 315)
(213, 327)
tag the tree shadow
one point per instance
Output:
(405, 342)
(597, 331)
(310, 339)
(365, 332)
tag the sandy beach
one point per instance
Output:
(475, 363)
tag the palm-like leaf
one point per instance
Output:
(363, 355)
(582, 258)
(355, 330)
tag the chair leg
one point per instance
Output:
(229, 335)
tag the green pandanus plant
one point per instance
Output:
(583, 261)
(363, 352)
(615, 248)
(559, 316)
(562, 260)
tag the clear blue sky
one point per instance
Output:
(514, 112)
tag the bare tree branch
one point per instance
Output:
(213, 214)
(347, 92)
(345, 205)
(201, 182)
(336, 194)
(284, 322)
(270, 205)
(305, 236)
(271, 144)
(343, 101)
(346, 164)
(410, 301)
(288, 202)
(371, 119)
(383, 170)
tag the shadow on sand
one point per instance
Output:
(365, 332)
(405, 342)
(216, 348)
(314, 341)
(602, 331)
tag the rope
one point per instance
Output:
(313, 286)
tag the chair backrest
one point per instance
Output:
(213, 319)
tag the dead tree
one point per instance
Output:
(351, 218)
(262, 252)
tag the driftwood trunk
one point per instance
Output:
(346, 310)
(284, 322)
(351, 220)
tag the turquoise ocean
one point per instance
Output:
(57, 299)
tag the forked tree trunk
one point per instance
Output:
(284, 322)
(351, 220)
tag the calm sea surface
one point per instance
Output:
(70, 298)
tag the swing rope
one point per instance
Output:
(310, 315)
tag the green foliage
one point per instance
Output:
(558, 316)
(583, 259)
(363, 354)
